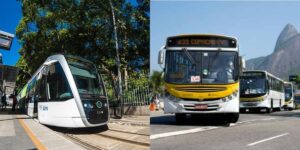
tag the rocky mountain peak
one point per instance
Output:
(284, 60)
(288, 32)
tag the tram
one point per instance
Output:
(66, 91)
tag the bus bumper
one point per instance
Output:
(189, 107)
(256, 104)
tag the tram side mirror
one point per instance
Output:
(45, 71)
(161, 56)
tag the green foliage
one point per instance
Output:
(157, 82)
(298, 81)
(83, 28)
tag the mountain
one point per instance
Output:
(284, 60)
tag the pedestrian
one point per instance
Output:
(156, 100)
(3, 101)
(14, 102)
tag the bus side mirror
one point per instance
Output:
(161, 56)
(242, 63)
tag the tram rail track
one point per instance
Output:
(82, 143)
(132, 139)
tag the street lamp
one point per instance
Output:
(5, 40)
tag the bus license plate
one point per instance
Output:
(200, 106)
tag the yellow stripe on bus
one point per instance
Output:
(33, 138)
(260, 98)
(200, 91)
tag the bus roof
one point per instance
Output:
(263, 71)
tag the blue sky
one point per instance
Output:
(10, 14)
(256, 24)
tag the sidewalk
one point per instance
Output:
(18, 131)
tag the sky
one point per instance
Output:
(256, 25)
(10, 15)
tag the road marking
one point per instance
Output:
(267, 139)
(249, 121)
(174, 133)
(33, 138)
(195, 130)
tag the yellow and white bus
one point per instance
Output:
(201, 76)
(261, 91)
(289, 103)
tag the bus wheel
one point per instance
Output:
(242, 110)
(269, 110)
(234, 117)
(180, 118)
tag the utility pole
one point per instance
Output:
(120, 91)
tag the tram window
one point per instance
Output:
(31, 89)
(42, 89)
(59, 89)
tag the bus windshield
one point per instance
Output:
(252, 85)
(201, 67)
(88, 82)
(288, 92)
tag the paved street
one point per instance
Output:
(275, 131)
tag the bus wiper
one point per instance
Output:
(189, 56)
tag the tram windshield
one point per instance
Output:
(88, 82)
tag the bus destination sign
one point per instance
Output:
(201, 41)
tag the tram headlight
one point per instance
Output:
(105, 105)
(88, 104)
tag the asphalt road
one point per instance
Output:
(254, 131)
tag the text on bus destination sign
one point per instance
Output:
(201, 42)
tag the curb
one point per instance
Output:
(129, 122)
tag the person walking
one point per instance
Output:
(14, 102)
(3, 101)
(156, 101)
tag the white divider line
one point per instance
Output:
(267, 139)
(168, 134)
(247, 121)
(195, 130)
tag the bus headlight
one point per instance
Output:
(171, 97)
(230, 97)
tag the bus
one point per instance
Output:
(297, 100)
(66, 91)
(201, 74)
(289, 103)
(261, 91)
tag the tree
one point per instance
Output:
(84, 28)
(157, 82)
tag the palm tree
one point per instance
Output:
(156, 82)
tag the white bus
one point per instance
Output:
(262, 91)
(201, 76)
(289, 96)
(66, 91)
